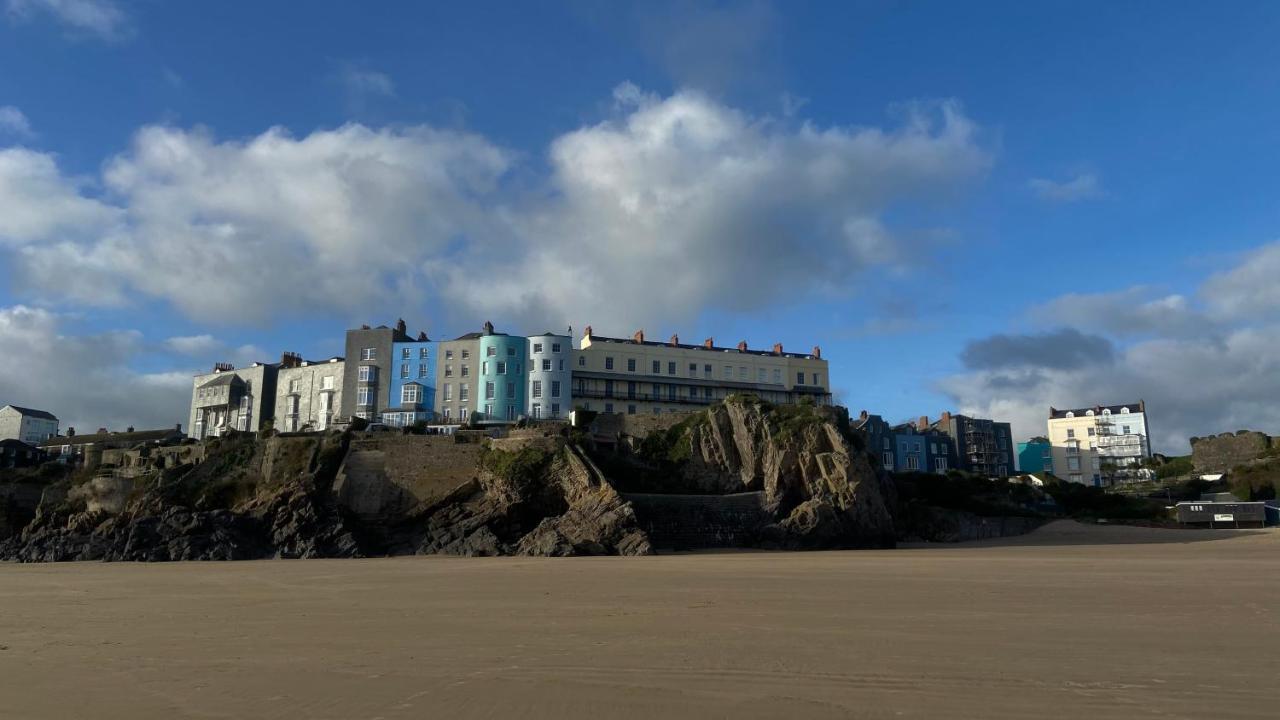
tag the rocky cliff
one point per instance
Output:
(539, 492)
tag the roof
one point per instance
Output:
(225, 378)
(136, 436)
(11, 442)
(1139, 406)
(658, 343)
(469, 336)
(33, 413)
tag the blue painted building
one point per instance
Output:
(1034, 456)
(412, 379)
(905, 448)
(501, 384)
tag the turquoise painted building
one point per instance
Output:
(412, 377)
(1035, 456)
(500, 387)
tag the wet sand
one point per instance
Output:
(1070, 621)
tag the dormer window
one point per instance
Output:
(1070, 414)
(1124, 410)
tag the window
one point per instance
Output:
(933, 448)
(608, 407)
(484, 367)
(293, 386)
(913, 462)
(327, 382)
(799, 378)
(657, 367)
(671, 392)
(404, 371)
(367, 373)
(940, 464)
(537, 389)
(608, 388)
(887, 459)
(555, 348)
(777, 376)
(582, 361)
(546, 366)
(1124, 429)
(887, 444)
(608, 363)
(555, 409)
(706, 392)
(447, 415)
(537, 410)
(817, 381)
(465, 370)
(511, 390)
(511, 412)
(555, 388)
(488, 410)
(1073, 463)
(728, 372)
(412, 393)
(693, 370)
(631, 364)
(762, 375)
(1076, 478)
(448, 392)
(631, 409)
(448, 354)
(490, 351)
(489, 391)
(671, 368)
(1091, 432)
(462, 415)
(369, 354)
(502, 367)
(422, 370)
(1124, 411)
(1070, 414)
(537, 348)
(406, 353)
(424, 353)
(631, 390)
(562, 366)
(511, 352)
(464, 394)
(364, 397)
(466, 354)
(1071, 432)
(1106, 411)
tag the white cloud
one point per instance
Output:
(1200, 373)
(85, 379)
(1082, 186)
(719, 209)
(193, 344)
(14, 123)
(360, 86)
(99, 17)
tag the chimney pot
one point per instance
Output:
(923, 423)
(675, 340)
(709, 343)
(777, 348)
(817, 352)
(742, 346)
(422, 336)
(587, 332)
(639, 336)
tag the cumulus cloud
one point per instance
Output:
(193, 344)
(1080, 187)
(14, 123)
(102, 18)
(1199, 372)
(1249, 290)
(85, 379)
(718, 208)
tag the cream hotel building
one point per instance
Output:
(639, 376)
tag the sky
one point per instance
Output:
(987, 208)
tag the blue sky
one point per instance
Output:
(900, 183)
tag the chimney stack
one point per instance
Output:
(709, 343)
(177, 427)
(639, 336)
(863, 415)
(488, 328)
(817, 352)
(401, 328)
(129, 429)
(71, 432)
(223, 367)
(945, 418)
(290, 360)
(364, 327)
(742, 346)
(777, 348)
(923, 423)
(102, 431)
(587, 332)
(422, 336)
(674, 341)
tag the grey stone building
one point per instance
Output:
(457, 370)
(26, 425)
(230, 399)
(308, 394)
(982, 446)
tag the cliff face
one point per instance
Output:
(822, 491)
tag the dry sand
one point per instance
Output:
(1071, 621)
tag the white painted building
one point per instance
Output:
(1099, 445)
(550, 372)
(228, 399)
(27, 425)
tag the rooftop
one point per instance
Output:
(28, 412)
(709, 348)
(1140, 406)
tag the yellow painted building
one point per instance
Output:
(639, 376)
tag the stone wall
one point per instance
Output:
(389, 475)
(690, 522)
(1220, 453)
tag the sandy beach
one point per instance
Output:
(1070, 621)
